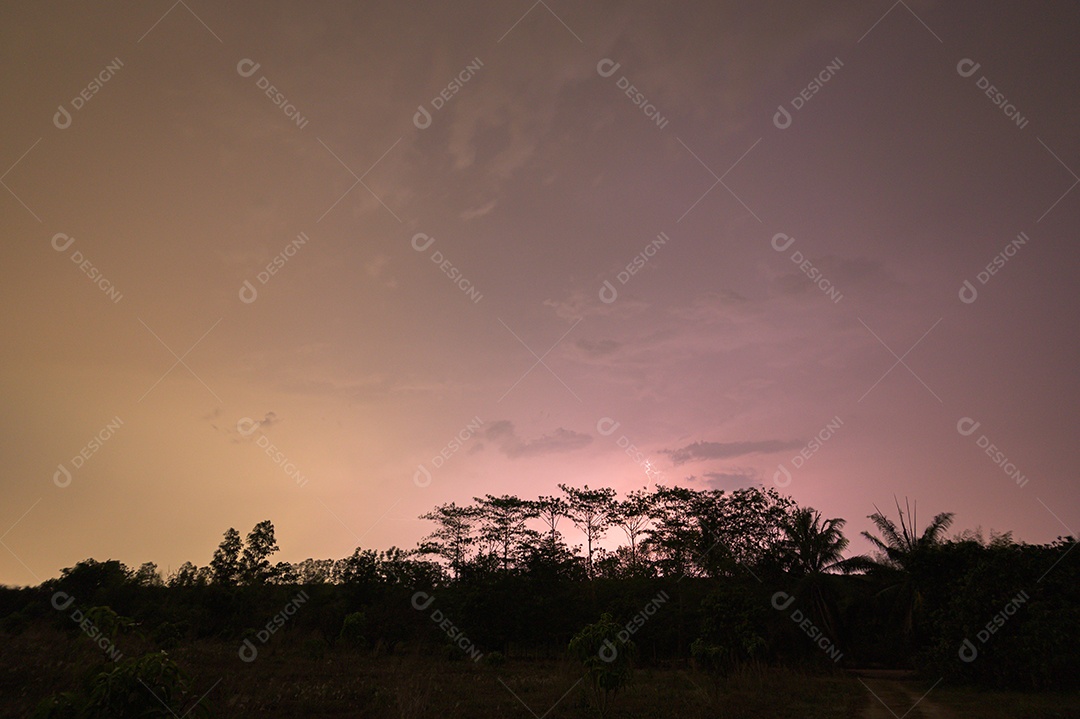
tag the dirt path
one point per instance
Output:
(895, 699)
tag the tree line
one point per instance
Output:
(720, 579)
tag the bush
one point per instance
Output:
(149, 686)
(168, 635)
(608, 661)
(354, 631)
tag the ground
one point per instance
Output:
(294, 677)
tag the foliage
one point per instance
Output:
(255, 559)
(591, 511)
(354, 630)
(608, 660)
(148, 686)
(225, 566)
(733, 630)
(506, 579)
(903, 555)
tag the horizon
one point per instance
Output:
(612, 539)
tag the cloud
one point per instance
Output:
(599, 347)
(246, 426)
(848, 275)
(478, 211)
(735, 477)
(577, 304)
(505, 437)
(269, 419)
(727, 450)
(713, 306)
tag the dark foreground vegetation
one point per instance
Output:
(739, 604)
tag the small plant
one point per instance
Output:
(109, 622)
(168, 635)
(608, 661)
(354, 631)
(148, 686)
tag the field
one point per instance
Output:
(297, 677)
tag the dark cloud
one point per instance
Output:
(244, 429)
(732, 478)
(727, 450)
(505, 437)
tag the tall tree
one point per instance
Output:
(591, 511)
(674, 537)
(812, 548)
(255, 567)
(225, 566)
(631, 515)
(752, 523)
(902, 555)
(551, 510)
(900, 545)
(504, 525)
(453, 535)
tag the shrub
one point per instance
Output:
(608, 661)
(354, 631)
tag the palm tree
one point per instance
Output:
(813, 549)
(902, 552)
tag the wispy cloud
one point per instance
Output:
(479, 211)
(732, 478)
(727, 450)
(505, 437)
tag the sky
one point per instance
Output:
(335, 265)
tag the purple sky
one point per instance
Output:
(148, 175)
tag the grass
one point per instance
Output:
(296, 677)
(968, 702)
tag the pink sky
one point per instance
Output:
(178, 179)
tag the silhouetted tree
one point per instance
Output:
(147, 575)
(91, 578)
(361, 567)
(591, 512)
(285, 573)
(453, 535)
(255, 567)
(673, 536)
(397, 567)
(812, 548)
(186, 576)
(631, 515)
(225, 566)
(503, 525)
(314, 571)
(550, 510)
(752, 523)
(901, 553)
